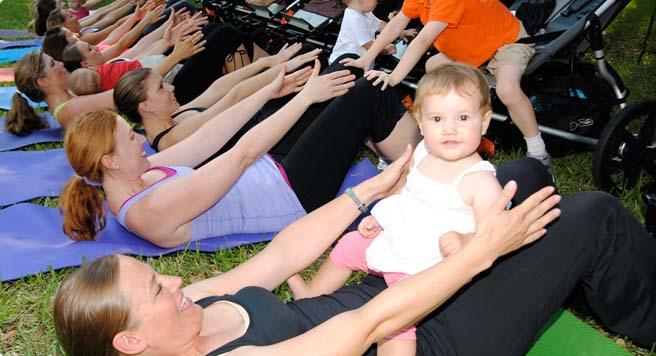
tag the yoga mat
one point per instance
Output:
(567, 335)
(20, 43)
(12, 55)
(32, 241)
(30, 174)
(8, 33)
(26, 175)
(6, 94)
(9, 141)
(6, 75)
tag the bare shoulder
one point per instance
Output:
(479, 186)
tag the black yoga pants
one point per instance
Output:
(201, 70)
(322, 155)
(596, 242)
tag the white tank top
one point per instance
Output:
(413, 220)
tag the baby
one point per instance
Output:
(449, 188)
(84, 81)
(359, 28)
(78, 8)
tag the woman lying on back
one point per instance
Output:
(165, 202)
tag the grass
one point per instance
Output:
(26, 326)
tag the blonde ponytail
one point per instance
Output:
(22, 119)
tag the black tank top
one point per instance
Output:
(155, 143)
(272, 321)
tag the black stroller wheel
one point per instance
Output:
(627, 148)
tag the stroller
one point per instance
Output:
(316, 22)
(573, 100)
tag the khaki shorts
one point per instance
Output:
(516, 54)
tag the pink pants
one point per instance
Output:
(349, 254)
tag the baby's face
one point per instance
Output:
(75, 4)
(452, 125)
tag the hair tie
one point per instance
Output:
(20, 93)
(88, 182)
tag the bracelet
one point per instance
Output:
(359, 203)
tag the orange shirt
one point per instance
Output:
(475, 30)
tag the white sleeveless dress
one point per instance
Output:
(414, 220)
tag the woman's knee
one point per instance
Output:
(529, 174)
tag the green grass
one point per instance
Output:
(14, 14)
(25, 306)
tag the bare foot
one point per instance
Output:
(298, 287)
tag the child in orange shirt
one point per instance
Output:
(470, 31)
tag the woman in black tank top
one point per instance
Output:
(144, 98)
(118, 304)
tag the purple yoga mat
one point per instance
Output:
(7, 33)
(7, 93)
(20, 43)
(32, 241)
(9, 141)
(27, 175)
(30, 174)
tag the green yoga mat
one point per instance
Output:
(567, 335)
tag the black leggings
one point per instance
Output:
(201, 70)
(595, 242)
(321, 156)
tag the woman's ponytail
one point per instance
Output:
(82, 206)
(87, 140)
(22, 119)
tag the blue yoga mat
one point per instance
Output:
(10, 33)
(11, 55)
(9, 141)
(20, 43)
(6, 94)
(32, 241)
(26, 175)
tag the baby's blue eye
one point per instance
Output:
(436, 118)
(464, 117)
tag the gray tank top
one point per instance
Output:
(260, 201)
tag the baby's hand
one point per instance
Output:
(369, 227)
(450, 243)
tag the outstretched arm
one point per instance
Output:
(390, 33)
(187, 125)
(222, 86)
(411, 56)
(102, 35)
(410, 300)
(132, 35)
(202, 189)
(83, 104)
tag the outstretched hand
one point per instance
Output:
(323, 87)
(189, 46)
(504, 231)
(361, 63)
(286, 52)
(293, 82)
(380, 77)
(302, 59)
(392, 179)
